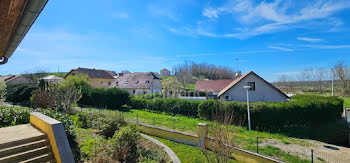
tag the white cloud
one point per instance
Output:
(327, 46)
(309, 39)
(210, 13)
(121, 15)
(281, 48)
(278, 15)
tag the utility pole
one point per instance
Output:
(247, 88)
(332, 81)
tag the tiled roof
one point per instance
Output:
(212, 85)
(242, 77)
(93, 73)
(135, 80)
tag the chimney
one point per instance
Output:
(238, 74)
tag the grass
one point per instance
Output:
(186, 153)
(243, 138)
(346, 101)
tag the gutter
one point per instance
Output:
(30, 13)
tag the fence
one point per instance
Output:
(157, 127)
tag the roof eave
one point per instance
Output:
(30, 13)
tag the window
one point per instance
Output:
(126, 82)
(73, 74)
(144, 92)
(133, 91)
(101, 82)
(147, 81)
(227, 97)
(109, 83)
(252, 85)
(136, 81)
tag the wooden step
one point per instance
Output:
(23, 147)
(22, 156)
(20, 134)
(48, 158)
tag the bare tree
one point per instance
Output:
(316, 77)
(342, 73)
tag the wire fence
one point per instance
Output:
(329, 154)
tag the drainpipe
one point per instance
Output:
(30, 13)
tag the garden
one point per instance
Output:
(97, 121)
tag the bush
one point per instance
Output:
(106, 123)
(19, 93)
(2, 91)
(112, 98)
(171, 106)
(303, 110)
(123, 145)
(14, 116)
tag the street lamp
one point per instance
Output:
(247, 88)
(332, 81)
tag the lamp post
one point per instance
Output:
(332, 70)
(247, 88)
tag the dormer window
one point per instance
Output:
(147, 81)
(136, 82)
(126, 82)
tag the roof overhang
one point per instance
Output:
(16, 18)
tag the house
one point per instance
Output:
(260, 90)
(17, 79)
(139, 83)
(97, 78)
(52, 79)
(164, 72)
(214, 86)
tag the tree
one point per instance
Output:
(59, 97)
(2, 91)
(342, 73)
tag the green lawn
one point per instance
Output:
(243, 138)
(186, 153)
(346, 101)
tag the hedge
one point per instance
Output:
(171, 106)
(112, 98)
(301, 111)
(19, 93)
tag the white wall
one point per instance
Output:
(262, 92)
(156, 86)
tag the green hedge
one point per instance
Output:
(19, 93)
(301, 111)
(112, 98)
(171, 106)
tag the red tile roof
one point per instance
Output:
(212, 85)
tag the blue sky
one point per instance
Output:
(269, 37)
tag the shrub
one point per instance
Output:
(112, 98)
(106, 123)
(303, 110)
(19, 93)
(123, 145)
(2, 91)
(56, 96)
(14, 116)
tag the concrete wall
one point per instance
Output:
(237, 153)
(56, 134)
(262, 92)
